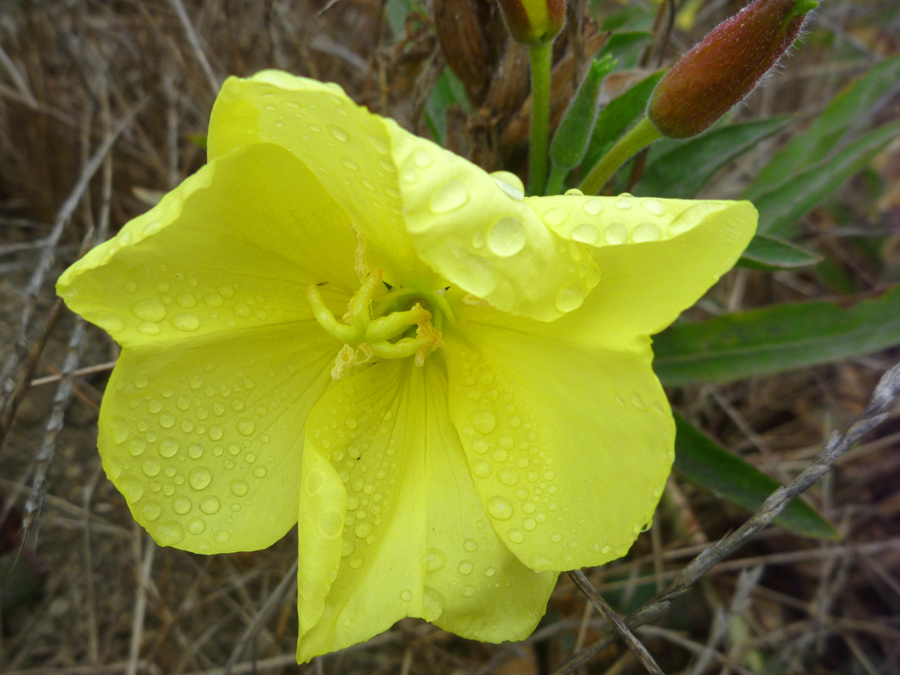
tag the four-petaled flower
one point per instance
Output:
(448, 384)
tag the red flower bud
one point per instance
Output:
(533, 22)
(725, 66)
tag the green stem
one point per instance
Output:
(541, 58)
(557, 180)
(642, 135)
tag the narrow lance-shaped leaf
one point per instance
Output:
(780, 208)
(775, 339)
(845, 115)
(678, 169)
(617, 116)
(713, 467)
(772, 254)
(574, 131)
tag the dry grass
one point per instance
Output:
(97, 596)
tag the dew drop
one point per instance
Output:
(406, 595)
(637, 401)
(239, 488)
(481, 469)
(468, 591)
(215, 432)
(166, 421)
(136, 447)
(196, 526)
(510, 184)
(555, 216)
(434, 559)
(499, 508)
(186, 322)
(646, 232)
(451, 196)
(149, 309)
(355, 563)
(151, 511)
(593, 207)
(315, 481)
(169, 533)
(181, 505)
(506, 237)
(168, 447)
(363, 529)
(509, 477)
(605, 550)
(210, 505)
(259, 471)
(483, 421)
(586, 233)
(624, 204)
(529, 524)
(569, 298)
(221, 537)
(195, 451)
(654, 206)
(422, 159)
(516, 536)
(150, 467)
(246, 426)
(338, 133)
(616, 234)
(433, 604)
(465, 567)
(331, 524)
(200, 478)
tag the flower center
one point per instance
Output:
(394, 325)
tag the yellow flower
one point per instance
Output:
(483, 419)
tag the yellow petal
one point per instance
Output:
(570, 444)
(230, 249)
(391, 525)
(479, 232)
(345, 146)
(656, 257)
(205, 441)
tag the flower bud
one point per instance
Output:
(533, 22)
(725, 66)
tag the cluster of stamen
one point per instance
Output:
(368, 333)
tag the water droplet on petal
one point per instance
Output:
(120, 430)
(169, 533)
(586, 233)
(569, 298)
(516, 536)
(616, 234)
(338, 133)
(465, 567)
(483, 421)
(149, 309)
(624, 204)
(246, 426)
(406, 595)
(593, 207)
(506, 237)
(555, 216)
(433, 604)
(434, 560)
(239, 488)
(186, 322)
(481, 469)
(151, 511)
(499, 508)
(451, 196)
(510, 184)
(468, 591)
(646, 232)
(196, 526)
(200, 478)
(654, 206)
(221, 537)
(181, 505)
(210, 505)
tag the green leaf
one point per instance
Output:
(617, 116)
(678, 169)
(772, 254)
(444, 94)
(574, 131)
(845, 115)
(626, 47)
(713, 467)
(783, 205)
(776, 339)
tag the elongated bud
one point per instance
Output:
(725, 66)
(533, 22)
